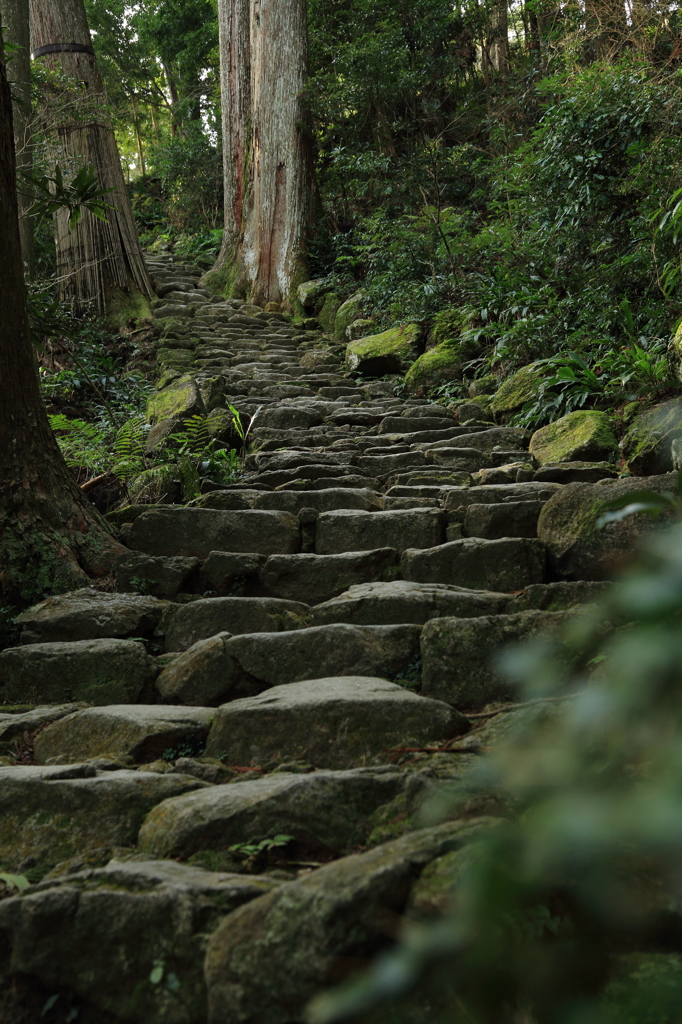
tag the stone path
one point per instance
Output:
(291, 638)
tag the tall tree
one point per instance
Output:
(99, 263)
(267, 149)
(14, 15)
(51, 537)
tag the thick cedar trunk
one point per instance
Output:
(14, 16)
(269, 192)
(50, 535)
(96, 260)
(499, 49)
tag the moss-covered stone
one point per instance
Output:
(123, 306)
(516, 390)
(392, 351)
(359, 328)
(162, 483)
(347, 312)
(447, 325)
(181, 398)
(647, 447)
(581, 435)
(180, 357)
(327, 314)
(577, 550)
(441, 364)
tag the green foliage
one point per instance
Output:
(188, 748)
(16, 882)
(569, 908)
(249, 853)
(81, 192)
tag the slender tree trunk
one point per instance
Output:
(50, 535)
(269, 189)
(99, 263)
(499, 50)
(14, 15)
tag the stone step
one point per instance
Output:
(225, 667)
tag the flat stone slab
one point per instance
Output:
(331, 914)
(316, 578)
(15, 725)
(324, 812)
(204, 618)
(95, 671)
(198, 531)
(488, 494)
(100, 933)
(225, 668)
(57, 812)
(140, 733)
(499, 565)
(341, 531)
(161, 576)
(378, 604)
(458, 655)
(327, 500)
(330, 723)
(506, 519)
(89, 615)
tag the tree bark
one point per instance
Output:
(14, 15)
(99, 263)
(499, 50)
(269, 188)
(50, 535)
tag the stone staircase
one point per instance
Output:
(305, 654)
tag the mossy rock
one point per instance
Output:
(581, 435)
(447, 326)
(327, 314)
(347, 312)
(576, 548)
(392, 351)
(441, 364)
(516, 390)
(162, 483)
(647, 447)
(178, 400)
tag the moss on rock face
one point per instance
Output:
(178, 399)
(583, 435)
(441, 364)
(347, 312)
(647, 447)
(517, 390)
(392, 351)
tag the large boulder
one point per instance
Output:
(324, 812)
(140, 733)
(266, 960)
(97, 671)
(54, 813)
(585, 435)
(347, 312)
(330, 723)
(647, 447)
(392, 351)
(178, 400)
(516, 390)
(226, 668)
(441, 364)
(458, 655)
(161, 576)
(567, 525)
(101, 932)
(89, 615)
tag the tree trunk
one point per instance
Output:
(499, 50)
(100, 264)
(50, 535)
(14, 15)
(269, 190)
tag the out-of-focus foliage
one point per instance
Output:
(570, 910)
